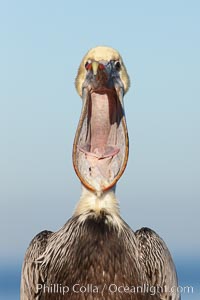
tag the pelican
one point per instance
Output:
(96, 255)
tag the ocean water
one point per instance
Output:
(188, 273)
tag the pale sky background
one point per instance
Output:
(42, 44)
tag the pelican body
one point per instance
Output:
(96, 255)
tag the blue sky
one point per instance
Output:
(42, 44)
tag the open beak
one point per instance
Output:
(100, 150)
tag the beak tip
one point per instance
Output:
(95, 66)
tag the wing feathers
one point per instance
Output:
(157, 263)
(31, 276)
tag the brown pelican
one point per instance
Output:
(96, 255)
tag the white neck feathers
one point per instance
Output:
(91, 202)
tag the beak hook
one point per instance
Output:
(95, 66)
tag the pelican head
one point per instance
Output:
(100, 150)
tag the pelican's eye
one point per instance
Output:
(88, 65)
(117, 65)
